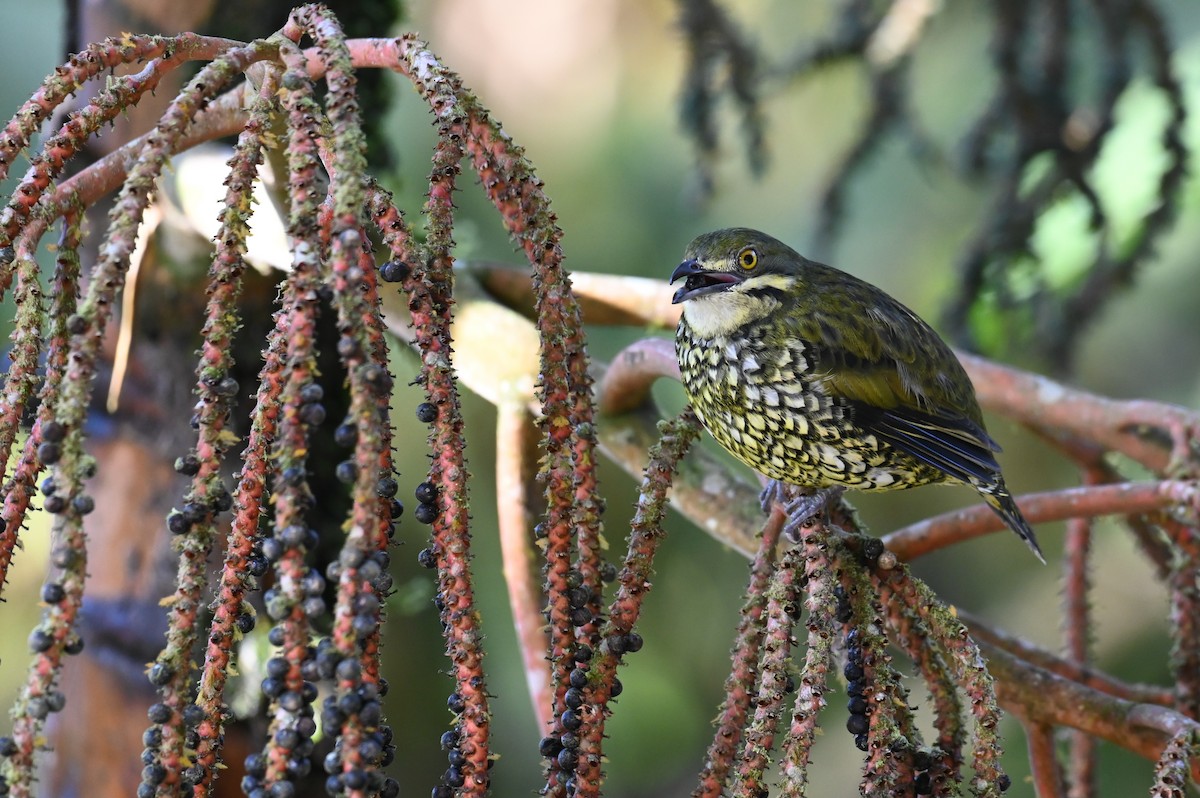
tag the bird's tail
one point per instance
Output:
(1000, 500)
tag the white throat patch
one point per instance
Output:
(722, 314)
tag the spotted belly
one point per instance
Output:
(762, 405)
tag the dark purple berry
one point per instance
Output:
(188, 465)
(49, 452)
(394, 271)
(40, 641)
(426, 513)
(608, 571)
(549, 747)
(313, 414)
(53, 432)
(159, 713)
(160, 673)
(346, 471)
(567, 759)
(345, 435)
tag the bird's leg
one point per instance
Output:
(803, 509)
(775, 491)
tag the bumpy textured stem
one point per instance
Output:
(782, 612)
(910, 633)
(20, 382)
(1171, 772)
(56, 635)
(739, 685)
(431, 314)
(87, 64)
(818, 658)
(970, 671)
(645, 534)
(235, 580)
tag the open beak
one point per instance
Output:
(700, 281)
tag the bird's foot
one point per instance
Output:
(803, 510)
(775, 491)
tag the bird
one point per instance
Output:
(820, 380)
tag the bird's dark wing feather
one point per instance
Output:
(901, 381)
(955, 445)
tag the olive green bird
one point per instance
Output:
(817, 379)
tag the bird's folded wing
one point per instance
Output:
(955, 445)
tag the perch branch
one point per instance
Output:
(1040, 696)
(514, 426)
(1127, 498)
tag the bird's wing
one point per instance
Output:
(901, 381)
(952, 444)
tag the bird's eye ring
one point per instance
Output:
(748, 258)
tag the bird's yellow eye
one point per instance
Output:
(748, 258)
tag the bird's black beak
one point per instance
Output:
(700, 281)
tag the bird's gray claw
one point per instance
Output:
(803, 509)
(775, 491)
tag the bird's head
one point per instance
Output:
(734, 276)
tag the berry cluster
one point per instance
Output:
(358, 699)
(426, 494)
(923, 782)
(50, 452)
(451, 741)
(563, 750)
(153, 771)
(844, 611)
(196, 509)
(858, 723)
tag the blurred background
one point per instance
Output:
(591, 91)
